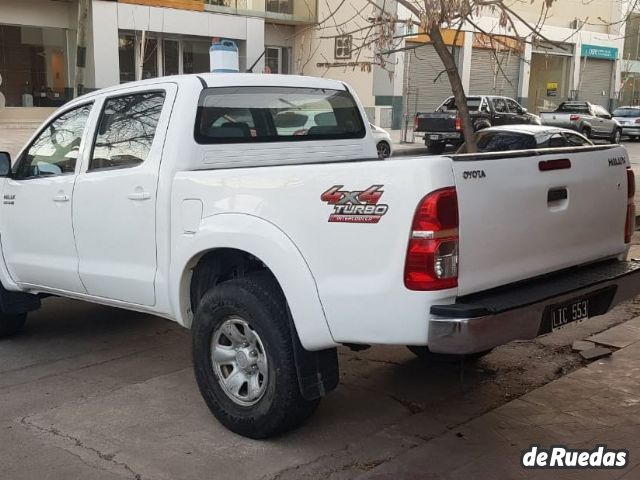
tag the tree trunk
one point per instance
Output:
(81, 49)
(456, 87)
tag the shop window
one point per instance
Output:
(33, 65)
(170, 57)
(195, 56)
(280, 6)
(127, 57)
(150, 55)
(277, 60)
(343, 47)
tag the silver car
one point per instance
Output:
(629, 118)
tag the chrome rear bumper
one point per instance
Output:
(517, 312)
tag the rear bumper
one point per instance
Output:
(485, 320)
(443, 136)
(631, 130)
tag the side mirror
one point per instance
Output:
(5, 164)
(523, 110)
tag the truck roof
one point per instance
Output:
(228, 80)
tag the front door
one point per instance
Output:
(501, 114)
(35, 217)
(114, 211)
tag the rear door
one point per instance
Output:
(517, 221)
(114, 209)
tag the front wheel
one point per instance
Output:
(424, 354)
(244, 360)
(436, 147)
(11, 324)
(617, 135)
(384, 150)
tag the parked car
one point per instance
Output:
(592, 121)
(629, 119)
(180, 197)
(444, 127)
(383, 141)
(525, 137)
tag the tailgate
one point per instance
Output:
(436, 122)
(555, 119)
(518, 222)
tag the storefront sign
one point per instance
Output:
(552, 89)
(595, 51)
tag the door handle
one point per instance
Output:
(139, 196)
(61, 197)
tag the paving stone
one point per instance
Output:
(580, 345)
(619, 336)
(595, 353)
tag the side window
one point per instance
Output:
(576, 140)
(504, 141)
(514, 107)
(557, 140)
(55, 150)
(499, 105)
(126, 130)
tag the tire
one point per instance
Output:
(586, 132)
(11, 324)
(384, 150)
(257, 301)
(616, 136)
(423, 353)
(436, 148)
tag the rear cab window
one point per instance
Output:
(473, 103)
(505, 141)
(276, 114)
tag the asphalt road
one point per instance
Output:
(101, 393)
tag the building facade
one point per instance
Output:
(578, 55)
(136, 39)
(585, 51)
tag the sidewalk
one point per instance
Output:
(597, 404)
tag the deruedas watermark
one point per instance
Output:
(560, 456)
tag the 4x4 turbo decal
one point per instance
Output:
(357, 206)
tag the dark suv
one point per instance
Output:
(443, 127)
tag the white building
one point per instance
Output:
(38, 41)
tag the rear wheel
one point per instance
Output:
(244, 360)
(617, 135)
(11, 324)
(436, 147)
(423, 353)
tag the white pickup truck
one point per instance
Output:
(182, 198)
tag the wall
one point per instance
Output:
(598, 12)
(310, 49)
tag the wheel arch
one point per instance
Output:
(230, 244)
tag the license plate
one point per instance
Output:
(434, 137)
(570, 312)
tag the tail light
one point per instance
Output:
(637, 120)
(630, 222)
(432, 254)
(574, 118)
(458, 123)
